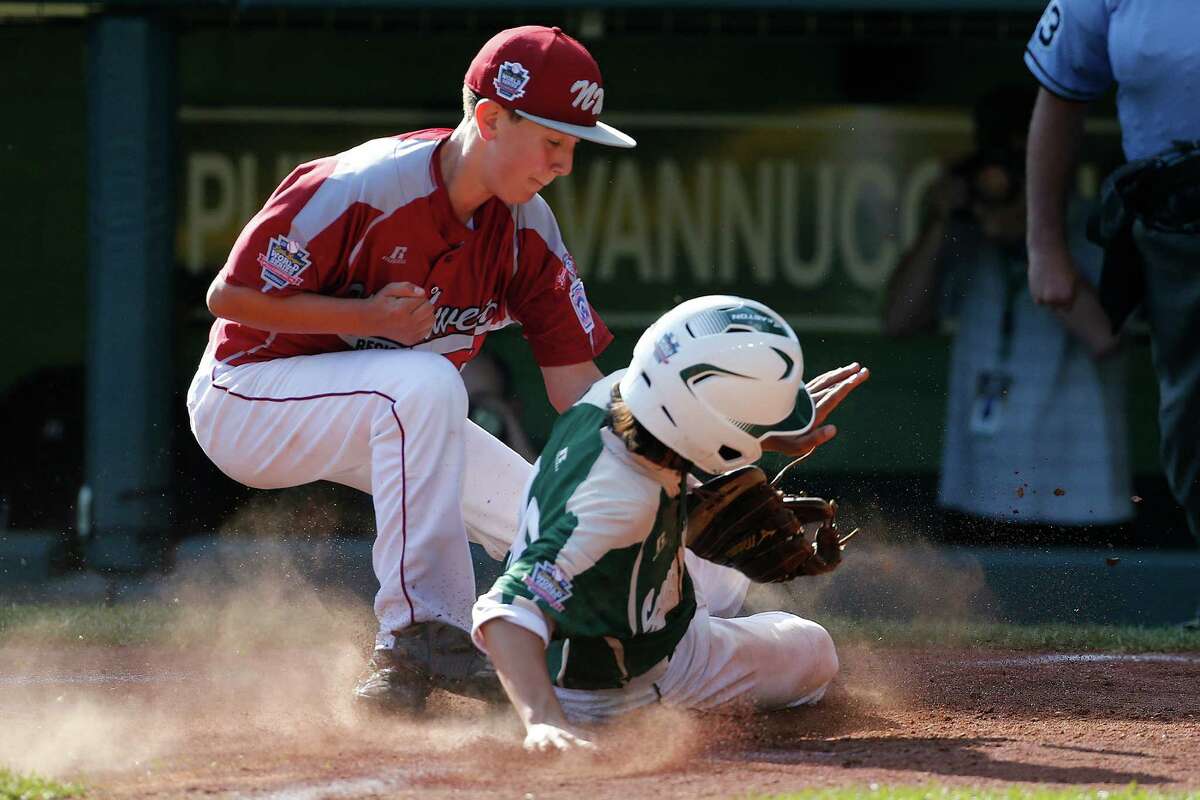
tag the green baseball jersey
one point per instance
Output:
(600, 552)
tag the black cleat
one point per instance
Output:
(392, 685)
(424, 657)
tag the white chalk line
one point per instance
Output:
(776, 756)
(1091, 658)
(100, 678)
(383, 784)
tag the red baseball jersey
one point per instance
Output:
(348, 225)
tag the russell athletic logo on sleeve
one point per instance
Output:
(283, 263)
(566, 273)
(399, 255)
(549, 584)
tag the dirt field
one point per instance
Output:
(163, 721)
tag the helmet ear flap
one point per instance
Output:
(728, 453)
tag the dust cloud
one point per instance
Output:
(275, 656)
(250, 685)
(890, 573)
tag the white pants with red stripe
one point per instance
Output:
(389, 422)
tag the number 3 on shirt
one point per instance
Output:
(1049, 25)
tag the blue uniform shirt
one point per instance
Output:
(1150, 48)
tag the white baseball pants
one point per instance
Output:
(772, 660)
(389, 422)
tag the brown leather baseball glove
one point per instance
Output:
(740, 520)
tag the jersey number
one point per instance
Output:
(1051, 20)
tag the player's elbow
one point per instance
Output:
(559, 399)
(566, 384)
(218, 298)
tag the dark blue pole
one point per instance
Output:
(131, 108)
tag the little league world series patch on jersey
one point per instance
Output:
(580, 304)
(548, 583)
(283, 263)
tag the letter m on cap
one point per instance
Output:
(588, 96)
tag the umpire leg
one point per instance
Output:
(1173, 311)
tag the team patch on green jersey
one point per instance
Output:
(549, 584)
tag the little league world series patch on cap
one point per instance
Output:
(547, 77)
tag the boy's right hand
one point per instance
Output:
(542, 737)
(1053, 277)
(399, 311)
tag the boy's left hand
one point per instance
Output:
(828, 391)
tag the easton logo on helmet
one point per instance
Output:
(755, 320)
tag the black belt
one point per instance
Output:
(1164, 193)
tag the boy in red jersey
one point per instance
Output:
(350, 301)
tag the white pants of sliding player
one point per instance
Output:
(389, 422)
(772, 660)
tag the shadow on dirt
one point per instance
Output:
(957, 756)
(837, 716)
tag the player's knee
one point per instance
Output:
(427, 379)
(825, 657)
(444, 386)
(817, 664)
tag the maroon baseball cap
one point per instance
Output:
(545, 76)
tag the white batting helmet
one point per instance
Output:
(715, 376)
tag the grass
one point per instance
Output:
(134, 623)
(934, 792)
(1057, 637)
(171, 623)
(157, 621)
(31, 787)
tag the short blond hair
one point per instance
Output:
(470, 100)
(635, 436)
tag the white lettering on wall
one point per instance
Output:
(685, 216)
(716, 224)
(210, 204)
(626, 231)
(746, 222)
(798, 271)
(579, 221)
(919, 180)
(869, 196)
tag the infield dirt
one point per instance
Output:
(227, 720)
